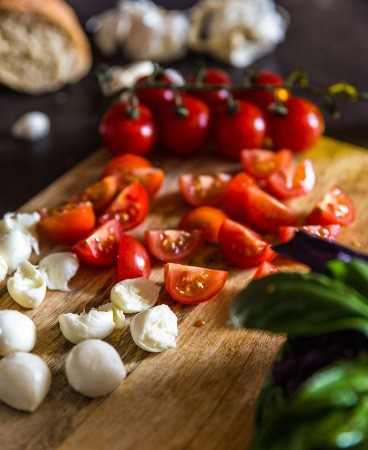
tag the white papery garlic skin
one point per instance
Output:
(15, 248)
(27, 286)
(134, 295)
(32, 126)
(17, 332)
(58, 269)
(94, 368)
(25, 380)
(155, 330)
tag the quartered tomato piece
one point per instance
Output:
(133, 259)
(266, 212)
(173, 245)
(207, 190)
(100, 194)
(205, 218)
(242, 246)
(335, 207)
(292, 181)
(261, 163)
(125, 163)
(151, 178)
(329, 232)
(130, 207)
(266, 268)
(191, 285)
(234, 202)
(100, 248)
(67, 223)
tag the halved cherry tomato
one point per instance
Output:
(122, 132)
(173, 245)
(125, 163)
(191, 285)
(133, 259)
(329, 232)
(210, 75)
(266, 268)
(151, 178)
(292, 181)
(205, 218)
(67, 223)
(206, 190)
(242, 246)
(245, 128)
(266, 212)
(234, 201)
(130, 207)
(100, 248)
(335, 207)
(187, 133)
(261, 163)
(100, 194)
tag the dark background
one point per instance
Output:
(326, 38)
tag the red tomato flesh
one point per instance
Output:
(261, 163)
(100, 194)
(329, 232)
(204, 190)
(133, 259)
(266, 268)
(191, 285)
(125, 163)
(234, 201)
(205, 218)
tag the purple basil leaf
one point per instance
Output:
(315, 252)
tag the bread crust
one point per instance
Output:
(60, 14)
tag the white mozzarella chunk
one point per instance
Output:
(94, 368)
(32, 126)
(155, 330)
(17, 332)
(15, 248)
(27, 286)
(25, 222)
(25, 380)
(3, 269)
(117, 314)
(134, 295)
(96, 324)
(58, 269)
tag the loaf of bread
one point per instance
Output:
(42, 45)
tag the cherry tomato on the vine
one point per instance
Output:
(206, 190)
(100, 247)
(67, 223)
(122, 132)
(299, 128)
(205, 218)
(242, 246)
(329, 232)
(155, 98)
(335, 207)
(191, 285)
(185, 132)
(234, 131)
(133, 259)
(173, 245)
(261, 163)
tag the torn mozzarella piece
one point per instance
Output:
(58, 268)
(94, 368)
(134, 295)
(27, 286)
(25, 380)
(17, 332)
(155, 330)
(15, 248)
(117, 314)
(32, 126)
(3, 269)
(25, 222)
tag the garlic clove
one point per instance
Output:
(32, 126)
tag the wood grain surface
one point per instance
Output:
(200, 395)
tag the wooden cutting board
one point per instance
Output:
(200, 395)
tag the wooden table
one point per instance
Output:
(200, 395)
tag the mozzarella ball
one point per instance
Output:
(94, 368)
(25, 380)
(58, 269)
(134, 295)
(17, 332)
(3, 269)
(15, 248)
(155, 330)
(24, 222)
(26, 286)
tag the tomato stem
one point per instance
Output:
(132, 110)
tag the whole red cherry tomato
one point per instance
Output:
(133, 259)
(155, 98)
(299, 128)
(244, 128)
(214, 99)
(123, 133)
(185, 132)
(262, 97)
